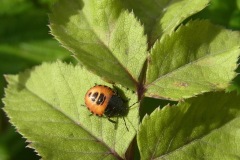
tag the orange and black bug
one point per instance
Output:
(102, 100)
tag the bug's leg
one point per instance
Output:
(111, 120)
(133, 104)
(91, 114)
(125, 123)
(116, 124)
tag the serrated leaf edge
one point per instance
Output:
(64, 45)
(18, 129)
(168, 36)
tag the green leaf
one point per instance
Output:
(45, 105)
(206, 127)
(199, 57)
(162, 17)
(174, 13)
(102, 37)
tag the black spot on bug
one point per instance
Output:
(104, 98)
(94, 96)
(100, 99)
(89, 94)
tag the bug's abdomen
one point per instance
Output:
(97, 99)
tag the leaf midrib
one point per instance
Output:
(197, 139)
(190, 63)
(68, 117)
(92, 29)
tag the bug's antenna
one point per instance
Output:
(133, 104)
(125, 124)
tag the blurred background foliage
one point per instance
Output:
(25, 42)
